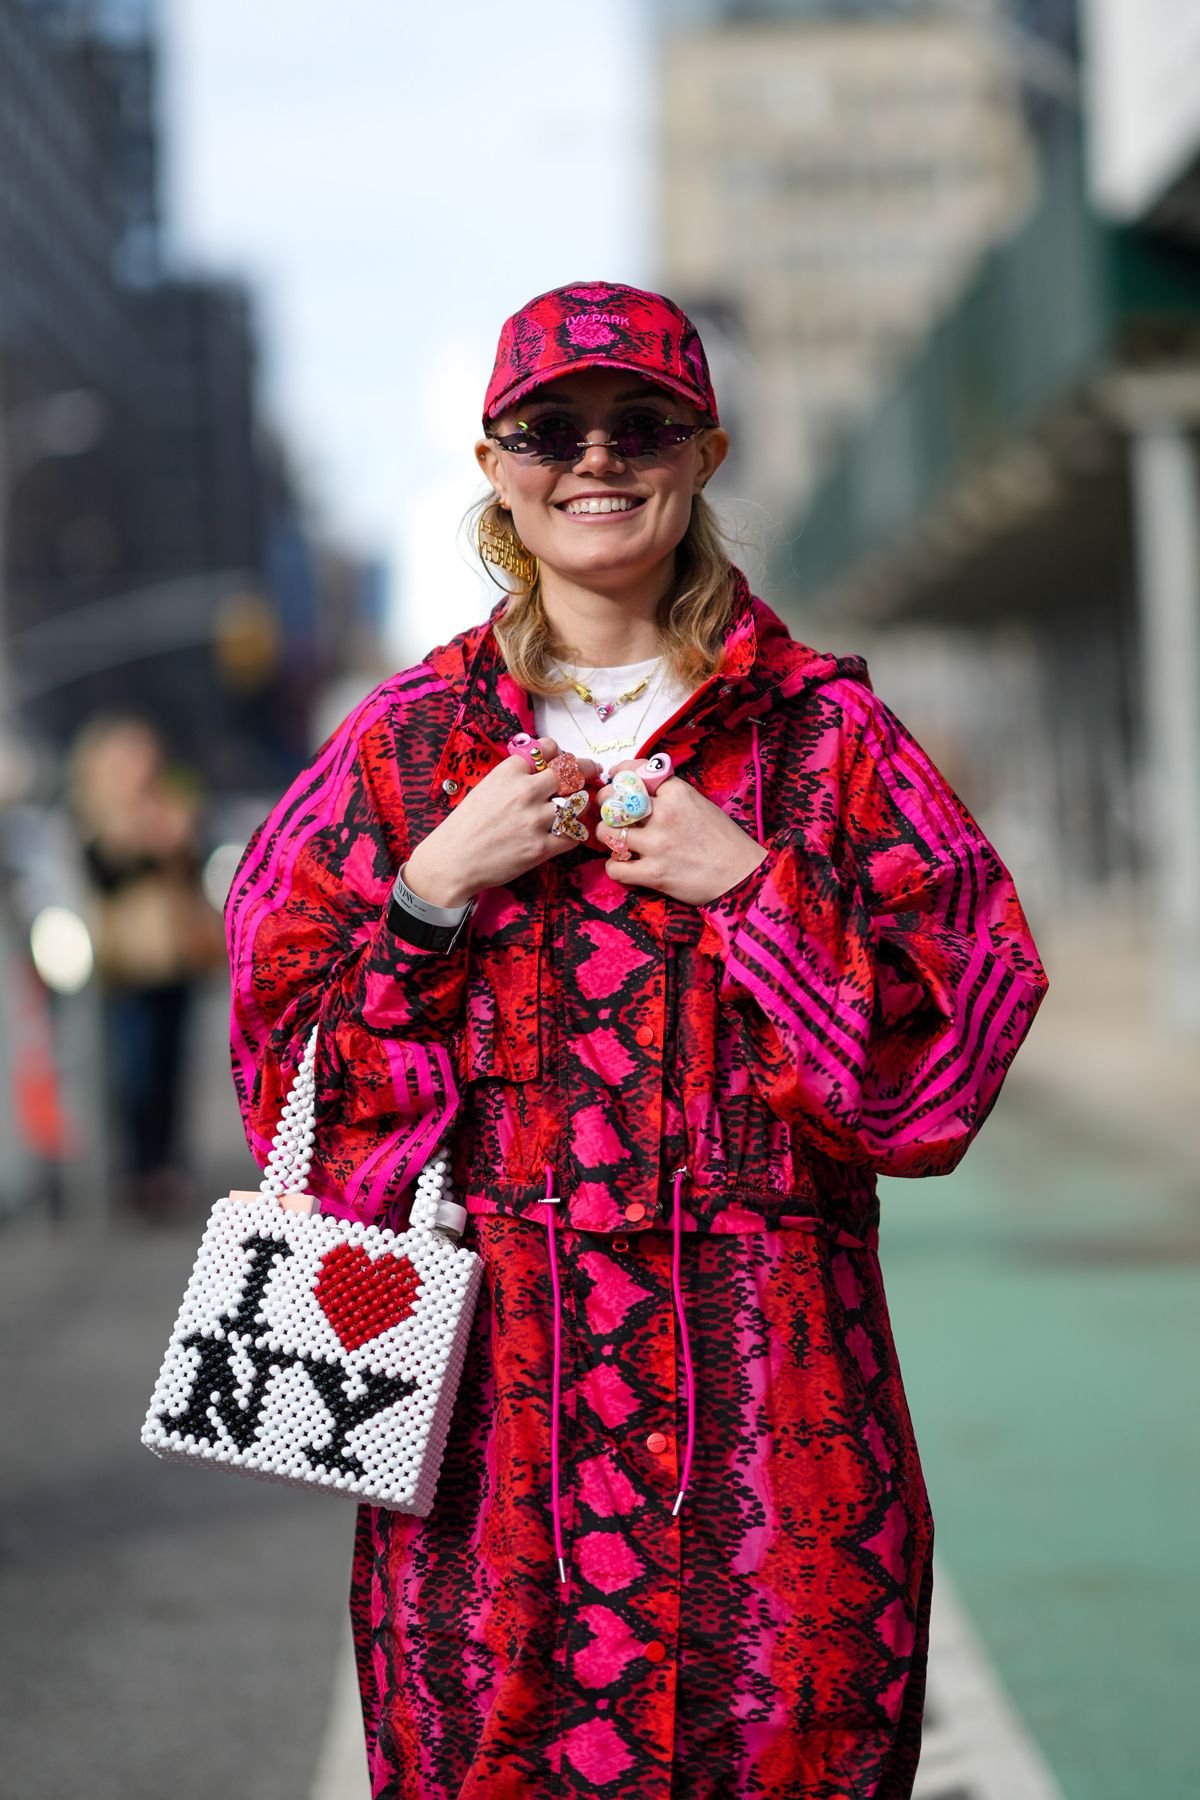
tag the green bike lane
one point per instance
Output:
(1043, 1300)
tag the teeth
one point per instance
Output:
(599, 506)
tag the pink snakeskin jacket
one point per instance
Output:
(849, 1008)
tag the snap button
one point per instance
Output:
(656, 1442)
(620, 1243)
(655, 1650)
(644, 1034)
(449, 786)
(635, 1212)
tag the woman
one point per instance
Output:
(156, 937)
(681, 1544)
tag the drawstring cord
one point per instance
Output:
(758, 779)
(551, 1199)
(677, 1287)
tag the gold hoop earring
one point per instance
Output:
(506, 551)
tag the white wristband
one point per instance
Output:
(425, 909)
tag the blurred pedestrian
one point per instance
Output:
(155, 935)
(667, 1076)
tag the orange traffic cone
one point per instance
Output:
(41, 1119)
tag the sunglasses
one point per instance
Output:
(556, 439)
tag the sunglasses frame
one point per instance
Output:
(517, 444)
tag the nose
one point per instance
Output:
(599, 453)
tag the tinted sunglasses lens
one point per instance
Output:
(552, 440)
(649, 437)
(558, 440)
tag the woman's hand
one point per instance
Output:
(498, 830)
(687, 848)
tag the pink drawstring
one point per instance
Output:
(758, 778)
(550, 1199)
(677, 1289)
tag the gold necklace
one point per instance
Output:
(626, 743)
(604, 709)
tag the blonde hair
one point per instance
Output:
(692, 617)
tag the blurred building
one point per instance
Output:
(203, 492)
(65, 322)
(830, 176)
(1012, 528)
(1145, 113)
(142, 500)
(117, 39)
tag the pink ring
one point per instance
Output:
(655, 772)
(566, 768)
(528, 747)
(619, 851)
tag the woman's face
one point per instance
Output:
(128, 761)
(622, 543)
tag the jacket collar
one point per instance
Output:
(762, 664)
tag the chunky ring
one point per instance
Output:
(655, 772)
(566, 821)
(529, 748)
(620, 852)
(629, 801)
(570, 775)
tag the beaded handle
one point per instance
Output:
(434, 1207)
(292, 1147)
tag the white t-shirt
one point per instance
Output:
(574, 725)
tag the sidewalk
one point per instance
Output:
(1098, 1048)
(169, 1630)
(1044, 1299)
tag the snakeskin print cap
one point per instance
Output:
(599, 325)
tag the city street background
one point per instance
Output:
(945, 258)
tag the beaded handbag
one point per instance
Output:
(318, 1351)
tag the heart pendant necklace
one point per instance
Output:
(604, 709)
(603, 751)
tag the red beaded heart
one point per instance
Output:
(361, 1296)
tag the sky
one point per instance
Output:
(393, 182)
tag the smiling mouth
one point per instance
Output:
(614, 506)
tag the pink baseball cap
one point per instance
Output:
(599, 325)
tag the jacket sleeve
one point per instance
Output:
(879, 952)
(308, 945)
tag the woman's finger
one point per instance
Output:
(615, 838)
(524, 748)
(566, 774)
(637, 873)
(640, 766)
(625, 873)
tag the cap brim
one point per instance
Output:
(673, 383)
